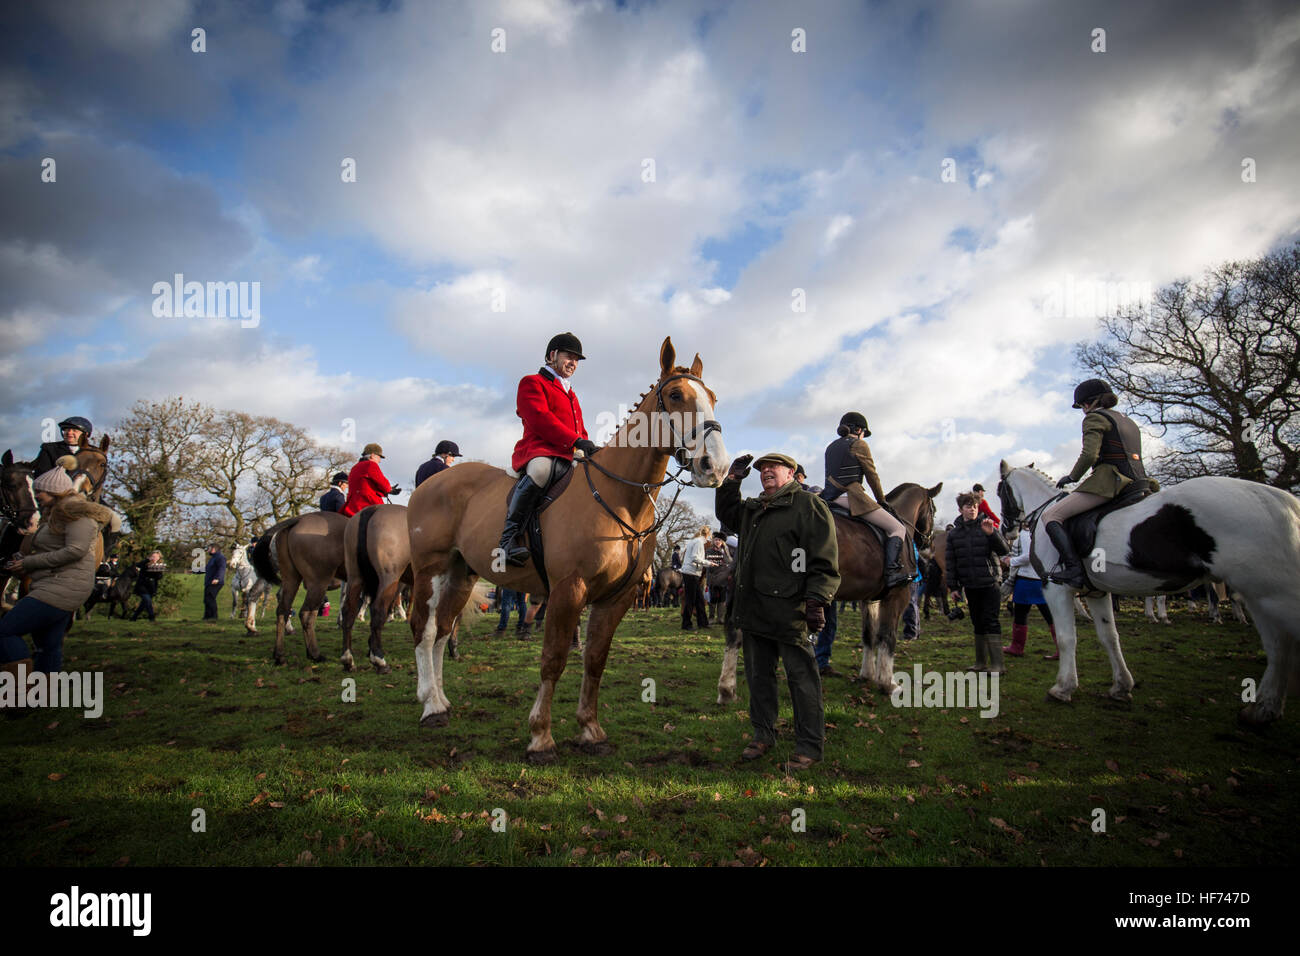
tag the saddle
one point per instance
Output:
(844, 512)
(1082, 528)
(879, 532)
(533, 524)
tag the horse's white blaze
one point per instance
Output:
(712, 447)
(34, 522)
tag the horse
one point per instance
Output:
(668, 582)
(243, 580)
(862, 578)
(118, 592)
(306, 550)
(642, 600)
(377, 550)
(19, 514)
(599, 541)
(1241, 532)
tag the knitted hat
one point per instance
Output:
(55, 482)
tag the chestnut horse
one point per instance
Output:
(862, 578)
(377, 550)
(600, 537)
(305, 550)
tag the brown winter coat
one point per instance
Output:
(63, 554)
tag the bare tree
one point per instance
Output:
(295, 471)
(683, 523)
(1216, 363)
(225, 476)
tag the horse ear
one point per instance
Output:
(1031, 464)
(934, 492)
(8, 458)
(697, 366)
(104, 443)
(1004, 468)
(667, 356)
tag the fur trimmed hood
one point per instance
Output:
(71, 507)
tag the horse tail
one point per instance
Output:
(369, 576)
(262, 559)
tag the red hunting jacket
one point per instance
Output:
(986, 512)
(366, 486)
(552, 420)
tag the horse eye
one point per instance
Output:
(676, 395)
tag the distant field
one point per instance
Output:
(286, 772)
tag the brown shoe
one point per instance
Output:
(755, 750)
(800, 762)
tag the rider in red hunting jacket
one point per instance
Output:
(552, 430)
(366, 483)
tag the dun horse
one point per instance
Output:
(862, 578)
(306, 550)
(599, 533)
(377, 549)
(1241, 532)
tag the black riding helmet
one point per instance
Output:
(853, 420)
(77, 421)
(450, 447)
(1091, 390)
(567, 342)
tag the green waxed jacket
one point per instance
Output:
(788, 554)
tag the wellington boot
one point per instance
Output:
(19, 669)
(981, 658)
(993, 643)
(1017, 646)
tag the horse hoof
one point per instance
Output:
(540, 757)
(348, 666)
(1251, 718)
(384, 669)
(596, 748)
(1055, 699)
(316, 659)
(278, 661)
(441, 719)
(726, 698)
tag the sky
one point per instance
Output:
(912, 210)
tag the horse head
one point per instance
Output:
(91, 470)
(684, 404)
(1021, 491)
(915, 505)
(17, 497)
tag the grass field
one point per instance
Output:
(286, 772)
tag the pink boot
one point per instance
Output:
(1017, 646)
(1056, 655)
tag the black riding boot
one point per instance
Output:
(1070, 571)
(894, 573)
(522, 500)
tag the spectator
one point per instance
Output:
(676, 560)
(775, 607)
(150, 572)
(1028, 593)
(62, 568)
(442, 459)
(970, 563)
(694, 564)
(509, 601)
(214, 576)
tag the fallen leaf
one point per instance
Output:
(1112, 766)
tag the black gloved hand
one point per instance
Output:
(394, 490)
(739, 468)
(585, 445)
(815, 614)
(1067, 480)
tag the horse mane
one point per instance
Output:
(642, 397)
(1039, 472)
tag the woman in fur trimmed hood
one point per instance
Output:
(62, 559)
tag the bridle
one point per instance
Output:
(1011, 510)
(10, 511)
(699, 434)
(922, 540)
(82, 472)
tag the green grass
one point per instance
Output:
(287, 773)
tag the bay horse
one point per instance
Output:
(19, 514)
(668, 582)
(377, 551)
(305, 550)
(862, 578)
(600, 536)
(1244, 533)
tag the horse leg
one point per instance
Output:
(311, 603)
(1151, 609)
(1278, 634)
(250, 612)
(564, 608)
(885, 616)
(600, 631)
(730, 654)
(1062, 602)
(379, 616)
(351, 604)
(1103, 617)
(284, 608)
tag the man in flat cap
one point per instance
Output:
(787, 572)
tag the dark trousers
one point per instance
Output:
(983, 606)
(1020, 613)
(912, 615)
(210, 601)
(761, 655)
(144, 607)
(826, 636)
(693, 601)
(45, 624)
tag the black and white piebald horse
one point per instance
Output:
(1241, 532)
